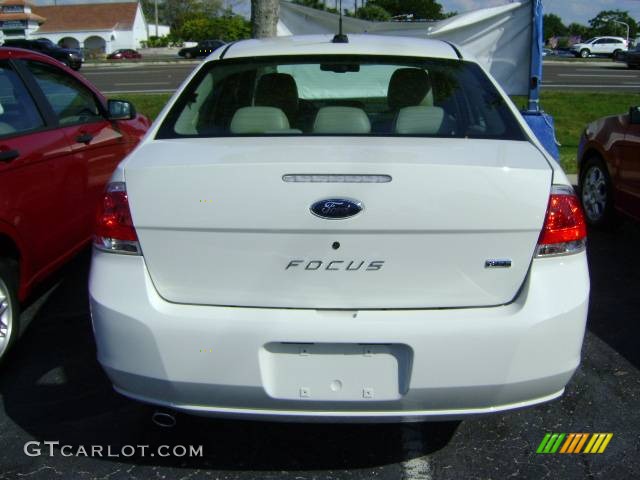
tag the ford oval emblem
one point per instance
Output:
(336, 208)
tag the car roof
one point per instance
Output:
(15, 52)
(358, 45)
(7, 53)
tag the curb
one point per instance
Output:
(138, 64)
(574, 63)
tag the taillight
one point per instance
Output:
(564, 231)
(114, 231)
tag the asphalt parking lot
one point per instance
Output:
(52, 389)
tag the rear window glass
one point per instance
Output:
(341, 95)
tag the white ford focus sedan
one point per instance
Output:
(323, 231)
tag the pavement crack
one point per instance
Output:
(41, 469)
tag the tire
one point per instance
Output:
(596, 193)
(9, 306)
(188, 55)
(584, 53)
(616, 54)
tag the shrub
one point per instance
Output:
(373, 13)
(227, 27)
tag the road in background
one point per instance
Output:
(605, 76)
(147, 78)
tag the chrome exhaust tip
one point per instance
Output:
(163, 419)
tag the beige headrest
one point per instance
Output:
(258, 120)
(342, 120)
(419, 120)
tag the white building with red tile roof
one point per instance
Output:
(17, 18)
(96, 27)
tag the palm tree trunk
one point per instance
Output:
(264, 18)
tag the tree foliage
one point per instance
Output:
(381, 10)
(603, 24)
(148, 8)
(579, 30)
(420, 9)
(373, 13)
(553, 26)
(195, 20)
(227, 27)
(317, 4)
(176, 12)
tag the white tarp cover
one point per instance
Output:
(498, 37)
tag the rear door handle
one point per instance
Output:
(84, 138)
(9, 155)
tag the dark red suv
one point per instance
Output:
(60, 140)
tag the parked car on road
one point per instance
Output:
(124, 54)
(609, 168)
(609, 46)
(632, 58)
(60, 141)
(324, 230)
(70, 57)
(203, 49)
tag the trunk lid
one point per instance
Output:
(218, 225)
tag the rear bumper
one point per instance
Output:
(215, 360)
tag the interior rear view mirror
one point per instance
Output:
(340, 67)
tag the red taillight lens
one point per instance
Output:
(564, 230)
(114, 230)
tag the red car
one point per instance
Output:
(60, 140)
(609, 168)
(124, 54)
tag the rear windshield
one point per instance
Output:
(341, 95)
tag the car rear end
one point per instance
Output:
(339, 235)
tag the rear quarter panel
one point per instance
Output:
(603, 138)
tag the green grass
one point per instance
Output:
(147, 104)
(572, 111)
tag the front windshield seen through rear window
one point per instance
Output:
(341, 95)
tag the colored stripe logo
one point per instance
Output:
(574, 443)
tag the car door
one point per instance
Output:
(628, 181)
(612, 45)
(95, 142)
(599, 47)
(38, 196)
